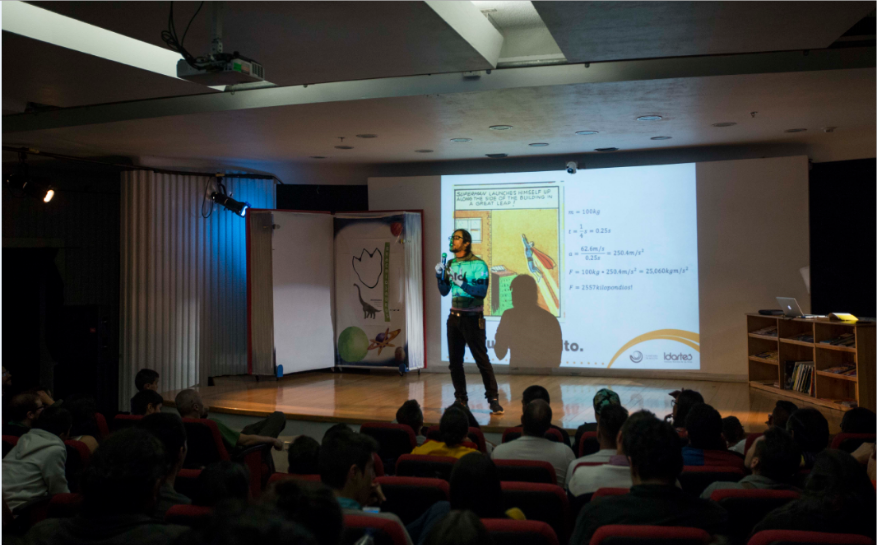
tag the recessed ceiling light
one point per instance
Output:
(828, 129)
(586, 133)
(661, 137)
(423, 151)
(649, 118)
(343, 147)
(796, 130)
(318, 156)
(606, 149)
(366, 136)
(724, 124)
(497, 155)
(500, 127)
(461, 139)
(539, 144)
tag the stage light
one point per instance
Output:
(239, 208)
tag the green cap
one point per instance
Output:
(605, 397)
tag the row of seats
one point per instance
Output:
(742, 506)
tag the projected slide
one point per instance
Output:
(596, 269)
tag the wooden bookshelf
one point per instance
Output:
(830, 388)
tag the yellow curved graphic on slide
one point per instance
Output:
(688, 338)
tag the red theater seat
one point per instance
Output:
(622, 534)
(64, 505)
(102, 426)
(386, 532)
(394, 440)
(695, 479)
(410, 497)
(418, 465)
(121, 421)
(186, 482)
(206, 447)
(751, 439)
(848, 442)
(78, 457)
(794, 537)
(277, 477)
(547, 503)
(606, 492)
(746, 508)
(188, 515)
(528, 471)
(588, 444)
(520, 532)
(9, 441)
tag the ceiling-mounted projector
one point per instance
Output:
(222, 69)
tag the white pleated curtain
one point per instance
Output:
(183, 288)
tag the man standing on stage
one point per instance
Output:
(466, 277)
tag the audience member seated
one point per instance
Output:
(612, 418)
(169, 429)
(145, 379)
(778, 418)
(146, 403)
(120, 486)
(774, 465)
(459, 528)
(838, 498)
(655, 452)
(411, 415)
(24, 410)
(347, 466)
(535, 392)
(265, 431)
(810, 430)
(35, 466)
(340, 427)
(475, 486)
(532, 445)
(304, 456)
(312, 505)
(222, 481)
(236, 523)
(602, 398)
(85, 428)
(706, 446)
(615, 473)
(682, 403)
(453, 427)
(735, 436)
(859, 420)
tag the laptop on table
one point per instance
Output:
(791, 308)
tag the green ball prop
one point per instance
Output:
(352, 345)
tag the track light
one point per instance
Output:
(239, 208)
(31, 187)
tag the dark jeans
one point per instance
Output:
(267, 427)
(463, 330)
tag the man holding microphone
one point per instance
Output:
(466, 278)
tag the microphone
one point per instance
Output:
(444, 259)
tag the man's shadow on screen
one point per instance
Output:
(531, 333)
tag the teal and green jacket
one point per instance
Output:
(473, 271)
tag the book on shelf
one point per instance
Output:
(842, 370)
(769, 331)
(772, 355)
(803, 337)
(800, 379)
(847, 339)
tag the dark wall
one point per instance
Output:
(61, 283)
(323, 198)
(842, 237)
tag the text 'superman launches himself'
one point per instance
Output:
(466, 278)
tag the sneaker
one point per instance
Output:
(495, 407)
(462, 402)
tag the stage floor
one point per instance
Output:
(355, 398)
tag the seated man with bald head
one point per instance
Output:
(532, 445)
(190, 405)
